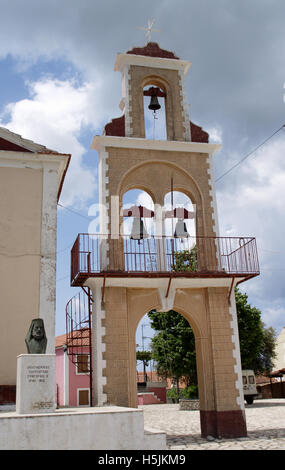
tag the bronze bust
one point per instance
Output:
(36, 340)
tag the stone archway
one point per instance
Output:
(141, 301)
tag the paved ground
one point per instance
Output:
(265, 425)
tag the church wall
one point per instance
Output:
(20, 246)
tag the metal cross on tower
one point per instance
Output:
(149, 29)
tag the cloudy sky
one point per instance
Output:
(58, 88)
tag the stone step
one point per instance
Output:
(148, 398)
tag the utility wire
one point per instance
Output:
(218, 179)
(74, 212)
(250, 153)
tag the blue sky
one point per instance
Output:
(59, 89)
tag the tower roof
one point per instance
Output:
(152, 49)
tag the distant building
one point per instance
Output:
(279, 362)
(72, 378)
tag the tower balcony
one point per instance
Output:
(153, 257)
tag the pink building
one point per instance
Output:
(72, 378)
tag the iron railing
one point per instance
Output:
(94, 255)
(79, 332)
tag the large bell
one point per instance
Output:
(138, 230)
(181, 230)
(154, 104)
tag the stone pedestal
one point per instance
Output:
(36, 385)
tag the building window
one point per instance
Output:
(83, 364)
(83, 397)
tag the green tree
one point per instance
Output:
(145, 357)
(257, 343)
(185, 260)
(267, 354)
(173, 346)
(250, 330)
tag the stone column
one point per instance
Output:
(116, 342)
(227, 417)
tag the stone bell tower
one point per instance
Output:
(130, 277)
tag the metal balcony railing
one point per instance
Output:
(98, 255)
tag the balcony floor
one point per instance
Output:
(82, 277)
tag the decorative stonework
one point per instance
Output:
(127, 101)
(194, 133)
(185, 112)
(236, 351)
(152, 49)
(104, 207)
(212, 193)
(99, 349)
(116, 127)
(186, 405)
(198, 134)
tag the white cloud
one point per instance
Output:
(254, 206)
(54, 114)
(274, 316)
(258, 195)
(215, 135)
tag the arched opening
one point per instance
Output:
(178, 199)
(137, 198)
(155, 118)
(137, 230)
(180, 231)
(166, 368)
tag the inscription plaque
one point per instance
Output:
(36, 389)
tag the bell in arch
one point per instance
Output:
(181, 230)
(138, 230)
(154, 104)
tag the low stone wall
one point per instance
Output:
(274, 390)
(97, 428)
(188, 404)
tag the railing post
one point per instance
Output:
(88, 262)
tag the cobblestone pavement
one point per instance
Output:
(265, 427)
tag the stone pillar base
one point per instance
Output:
(36, 387)
(227, 424)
